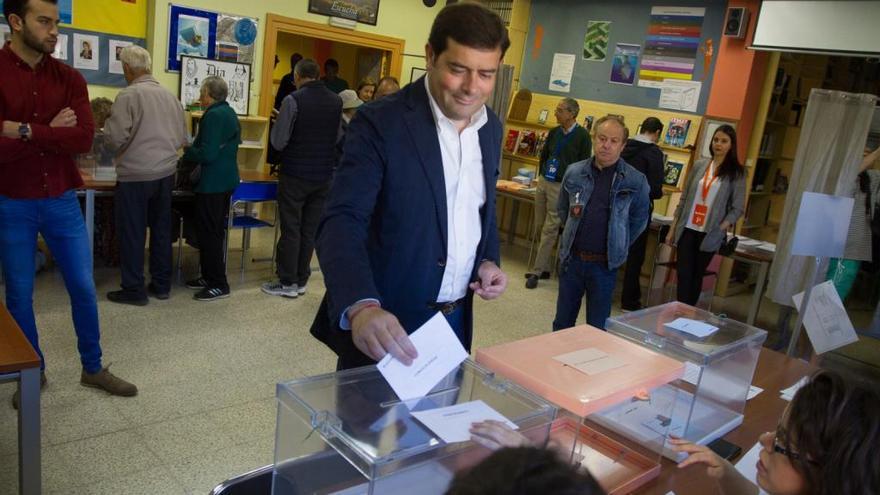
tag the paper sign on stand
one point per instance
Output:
(827, 323)
(440, 352)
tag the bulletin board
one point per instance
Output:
(208, 34)
(104, 67)
(194, 70)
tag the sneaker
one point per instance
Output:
(108, 382)
(211, 293)
(531, 281)
(279, 289)
(300, 289)
(127, 297)
(196, 284)
(151, 290)
(16, 397)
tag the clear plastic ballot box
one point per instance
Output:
(348, 433)
(725, 365)
(601, 381)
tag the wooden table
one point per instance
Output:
(762, 259)
(19, 361)
(775, 372)
(517, 196)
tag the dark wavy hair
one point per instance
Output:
(834, 425)
(471, 25)
(524, 471)
(731, 169)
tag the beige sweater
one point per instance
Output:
(146, 129)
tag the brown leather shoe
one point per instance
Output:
(16, 397)
(109, 382)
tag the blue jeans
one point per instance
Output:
(61, 223)
(576, 278)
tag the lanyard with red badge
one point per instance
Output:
(701, 209)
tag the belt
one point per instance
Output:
(446, 307)
(594, 257)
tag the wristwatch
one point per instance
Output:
(24, 131)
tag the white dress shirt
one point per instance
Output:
(465, 196)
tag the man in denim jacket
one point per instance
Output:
(603, 204)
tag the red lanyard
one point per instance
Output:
(706, 184)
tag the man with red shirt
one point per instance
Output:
(44, 110)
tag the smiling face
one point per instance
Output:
(461, 79)
(39, 27)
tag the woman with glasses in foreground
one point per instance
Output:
(826, 443)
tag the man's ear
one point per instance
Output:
(15, 22)
(429, 56)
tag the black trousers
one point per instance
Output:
(300, 205)
(631, 297)
(139, 205)
(212, 211)
(691, 264)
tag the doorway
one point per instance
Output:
(359, 54)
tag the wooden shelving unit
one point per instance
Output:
(254, 135)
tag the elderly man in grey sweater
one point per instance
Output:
(146, 129)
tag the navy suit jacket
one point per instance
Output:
(384, 230)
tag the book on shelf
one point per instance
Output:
(676, 132)
(528, 142)
(672, 173)
(511, 141)
(542, 140)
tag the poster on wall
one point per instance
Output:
(5, 33)
(625, 64)
(671, 45)
(114, 51)
(190, 32)
(596, 40)
(65, 11)
(237, 76)
(676, 94)
(60, 52)
(86, 51)
(365, 11)
(235, 38)
(560, 73)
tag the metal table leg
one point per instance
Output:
(755, 306)
(29, 433)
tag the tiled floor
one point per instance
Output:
(206, 374)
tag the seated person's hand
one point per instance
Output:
(495, 435)
(716, 467)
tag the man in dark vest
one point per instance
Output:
(306, 133)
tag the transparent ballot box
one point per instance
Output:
(724, 367)
(348, 433)
(614, 421)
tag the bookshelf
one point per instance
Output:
(254, 137)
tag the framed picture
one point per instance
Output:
(415, 73)
(196, 69)
(365, 11)
(191, 32)
(707, 129)
(542, 117)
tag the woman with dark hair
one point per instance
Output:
(825, 444)
(366, 88)
(711, 203)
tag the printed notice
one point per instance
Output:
(696, 328)
(826, 320)
(591, 361)
(560, 73)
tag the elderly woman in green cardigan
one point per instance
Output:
(215, 149)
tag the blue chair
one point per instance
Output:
(247, 193)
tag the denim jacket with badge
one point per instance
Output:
(629, 207)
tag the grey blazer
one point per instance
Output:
(729, 205)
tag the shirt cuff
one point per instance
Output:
(344, 323)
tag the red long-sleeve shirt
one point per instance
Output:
(44, 166)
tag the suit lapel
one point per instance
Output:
(490, 167)
(423, 132)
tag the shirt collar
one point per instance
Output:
(477, 120)
(642, 138)
(145, 78)
(570, 128)
(7, 48)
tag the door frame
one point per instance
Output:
(276, 24)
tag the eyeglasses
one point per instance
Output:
(780, 449)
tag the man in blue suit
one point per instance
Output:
(409, 225)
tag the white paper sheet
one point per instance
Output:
(453, 423)
(826, 321)
(439, 353)
(591, 361)
(753, 391)
(560, 73)
(680, 95)
(747, 465)
(60, 52)
(116, 47)
(788, 394)
(693, 327)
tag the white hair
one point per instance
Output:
(136, 58)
